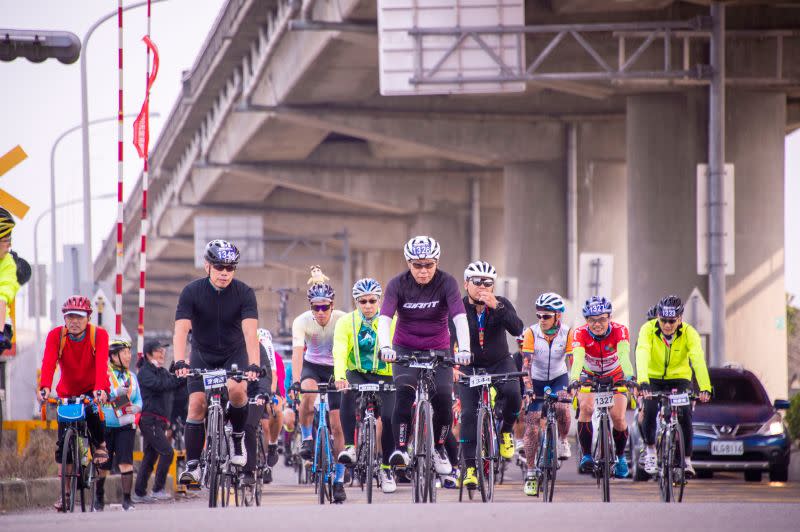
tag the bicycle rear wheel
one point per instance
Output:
(369, 465)
(69, 475)
(550, 464)
(486, 455)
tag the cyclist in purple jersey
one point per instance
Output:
(423, 298)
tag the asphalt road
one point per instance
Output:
(725, 502)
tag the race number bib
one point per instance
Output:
(604, 399)
(479, 380)
(679, 399)
(214, 379)
(370, 387)
(421, 365)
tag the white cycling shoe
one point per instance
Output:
(650, 461)
(347, 456)
(441, 464)
(564, 450)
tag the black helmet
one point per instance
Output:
(221, 252)
(652, 312)
(670, 307)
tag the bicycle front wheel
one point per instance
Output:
(419, 460)
(678, 462)
(605, 460)
(486, 455)
(369, 466)
(70, 467)
(322, 471)
(550, 463)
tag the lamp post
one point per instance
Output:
(87, 187)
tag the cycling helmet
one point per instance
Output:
(321, 291)
(221, 252)
(652, 313)
(79, 305)
(422, 247)
(480, 268)
(118, 344)
(550, 301)
(670, 307)
(367, 287)
(596, 305)
(7, 223)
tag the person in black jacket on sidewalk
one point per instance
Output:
(157, 385)
(490, 318)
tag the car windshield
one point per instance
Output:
(737, 390)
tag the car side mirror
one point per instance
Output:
(781, 404)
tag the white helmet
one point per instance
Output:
(367, 287)
(550, 301)
(480, 268)
(422, 247)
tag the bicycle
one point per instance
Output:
(423, 473)
(295, 443)
(367, 467)
(603, 455)
(547, 460)
(488, 447)
(78, 470)
(322, 467)
(216, 476)
(669, 445)
(250, 495)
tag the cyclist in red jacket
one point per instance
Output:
(81, 351)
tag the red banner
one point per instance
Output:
(141, 126)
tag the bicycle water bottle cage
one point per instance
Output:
(71, 412)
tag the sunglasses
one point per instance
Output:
(223, 267)
(366, 301)
(423, 265)
(668, 321)
(488, 283)
(544, 316)
(596, 320)
(320, 308)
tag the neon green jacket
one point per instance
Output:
(8, 279)
(657, 360)
(346, 355)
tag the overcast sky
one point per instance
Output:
(42, 100)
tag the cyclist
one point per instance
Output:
(489, 318)
(158, 385)
(356, 361)
(9, 284)
(667, 352)
(313, 331)
(601, 349)
(222, 315)
(81, 351)
(423, 298)
(120, 414)
(547, 348)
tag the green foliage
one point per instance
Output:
(793, 418)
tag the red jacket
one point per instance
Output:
(81, 371)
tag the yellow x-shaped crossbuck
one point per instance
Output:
(9, 202)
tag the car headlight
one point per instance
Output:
(773, 427)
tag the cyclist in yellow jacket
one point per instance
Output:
(8, 270)
(667, 353)
(356, 360)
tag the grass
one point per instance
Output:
(36, 461)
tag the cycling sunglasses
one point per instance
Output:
(423, 265)
(668, 321)
(488, 283)
(365, 301)
(544, 316)
(224, 267)
(320, 308)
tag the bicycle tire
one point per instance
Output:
(549, 471)
(462, 468)
(92, 481)
(664, 480)
(430, 471)
(678, 459)
(605, 460)
(69, 481)
(212, 462)
(322, 470)
(485, 455)
(369, 466)
(418, 462)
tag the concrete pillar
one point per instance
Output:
(535, 231)
(755, 296)
(666, 139)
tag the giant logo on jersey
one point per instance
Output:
(430, 304)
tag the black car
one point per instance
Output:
(740, 430)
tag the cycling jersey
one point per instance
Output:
(318, 340)
(601, 357)
(9, 285)
(216, 317)
(355, 346)
(122, 378)
(548, 356)
(656, 358)
(422, 310)
(83, 368)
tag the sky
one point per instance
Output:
(42, 100)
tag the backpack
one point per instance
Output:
(92, 339)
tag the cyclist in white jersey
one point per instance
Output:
(312, 332)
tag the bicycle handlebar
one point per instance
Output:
(69, 400)
(437, 357)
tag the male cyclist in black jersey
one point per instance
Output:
(222, 314)
(424, 298)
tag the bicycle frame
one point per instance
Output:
(547, 460)
(366, 467)
(323, 476)
(670, 474)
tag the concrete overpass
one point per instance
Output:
(290, 125)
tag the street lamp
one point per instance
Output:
(53, 205)
(87, 187)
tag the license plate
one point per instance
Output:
(727, 448)
(421, 365)
(479, 380)
(214, 379)
(368, 387)
(679, 399)
(603, 399)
